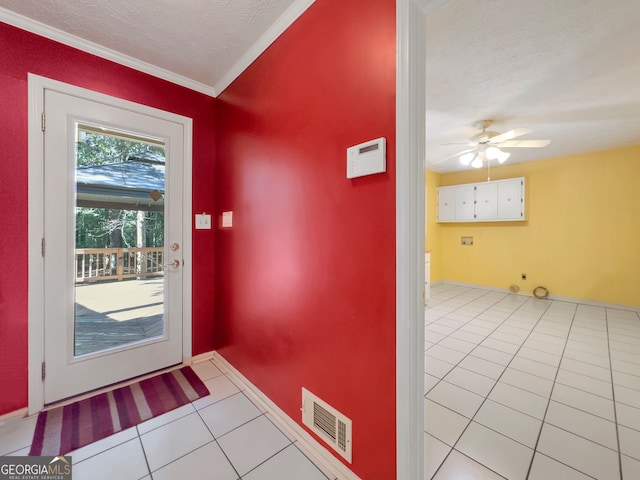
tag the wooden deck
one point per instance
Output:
(113, 314)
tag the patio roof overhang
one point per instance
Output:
(128, 185)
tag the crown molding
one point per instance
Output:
(292, 13)
(284, 21)
(58, 35)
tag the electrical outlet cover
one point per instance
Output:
(227, 219)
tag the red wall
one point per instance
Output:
(23, 52)
(305, 278)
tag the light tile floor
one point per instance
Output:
(523, 388)
(223, 436)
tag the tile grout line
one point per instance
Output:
(297, 447)
(197, 412)
(166, 423)
(571, 406)
(474, 460)
(261, 414)
(242, 389)
(137, 437)
(466, 354)
(533, 393)
(546, 410)
(212, 435)
(441, 379)
(500, 376)
(562, 463)
(214, 439)
(144, 452)
(324, 466)
(613, 394)
(572, 328)
(267, 459)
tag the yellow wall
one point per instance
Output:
(581, 238)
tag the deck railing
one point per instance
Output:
(93, 264)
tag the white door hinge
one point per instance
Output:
(43, 371)
(43, 122)
(43, 247)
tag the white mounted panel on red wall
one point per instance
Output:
(367, 158)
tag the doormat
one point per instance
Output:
(63, 429)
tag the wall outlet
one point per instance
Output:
(227, 219)
(466, 241)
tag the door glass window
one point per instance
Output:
(119, 239)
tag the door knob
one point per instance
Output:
(173, 264)
(175, 246)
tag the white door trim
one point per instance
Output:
(410, 238)
(37, 85)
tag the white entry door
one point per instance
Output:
(113, 242)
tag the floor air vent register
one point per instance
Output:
(326, 422)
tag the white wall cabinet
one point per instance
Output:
(493, 201)
(486, 201)
(446, 202)
(511, 200)
(465, 199)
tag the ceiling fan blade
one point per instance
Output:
(516, 132)
(524, 144)
(452, 156)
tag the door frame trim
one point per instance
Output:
(410, 237)
(36, 86)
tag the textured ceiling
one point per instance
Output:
(200, 40)
(568, 69)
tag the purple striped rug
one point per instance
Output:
(63, 429)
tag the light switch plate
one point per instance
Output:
(203, 221)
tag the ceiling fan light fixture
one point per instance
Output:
(486, 146)
(502, 156)
(466, 158)
(493, 153)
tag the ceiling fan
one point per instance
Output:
(487, 145)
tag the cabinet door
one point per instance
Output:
(486, 201)
(465, 196)
(446, 204)
(511, 199)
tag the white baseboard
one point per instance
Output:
(203, 357)
(593, 303)
(20, 413)
(330, 465)
(524, 293)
